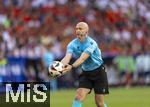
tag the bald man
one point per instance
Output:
(93, 71)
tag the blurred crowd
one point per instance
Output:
(43, 28)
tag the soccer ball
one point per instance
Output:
(56, 69)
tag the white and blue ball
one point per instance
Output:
(56, 68)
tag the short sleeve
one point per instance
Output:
(89, 50)
(70, 48)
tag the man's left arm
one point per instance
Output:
(77, 63)
(85, 55)
(80, 60)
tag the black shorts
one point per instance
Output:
(95, 79)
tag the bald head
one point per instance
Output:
(82, 29)
(83, 25)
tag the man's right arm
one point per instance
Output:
(66, 59)
(68, 55)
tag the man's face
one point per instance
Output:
(81, 31)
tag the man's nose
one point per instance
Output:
(77, 30)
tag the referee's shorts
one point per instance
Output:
(95, 79)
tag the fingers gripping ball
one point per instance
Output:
(56, 69)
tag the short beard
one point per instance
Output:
(82, 34)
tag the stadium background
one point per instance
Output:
(33, 33)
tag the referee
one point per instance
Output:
(89, 56)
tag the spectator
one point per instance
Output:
(126, 66)
(143, 66)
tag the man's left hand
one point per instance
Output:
(66, 68)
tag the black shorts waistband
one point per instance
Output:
(95, 70)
